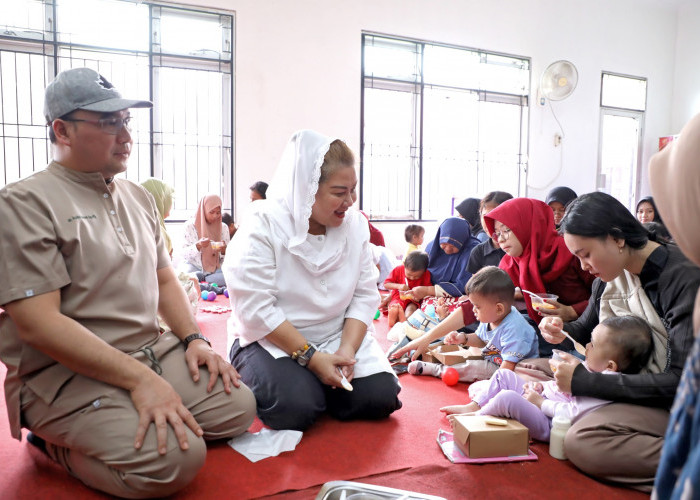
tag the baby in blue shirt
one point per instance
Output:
(504, 335)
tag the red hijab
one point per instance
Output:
(210, 258)
(545, 257)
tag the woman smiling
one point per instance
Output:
(303, 292)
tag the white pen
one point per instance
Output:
(344, 382)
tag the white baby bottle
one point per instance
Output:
(556, 437)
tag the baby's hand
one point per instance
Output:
(442, 311)
(534, 386)
(534, 397)
(455, 338)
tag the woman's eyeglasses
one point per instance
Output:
(504, 233)
(111, 126)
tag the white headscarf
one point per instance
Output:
(291, 196)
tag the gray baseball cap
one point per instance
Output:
(84, 88)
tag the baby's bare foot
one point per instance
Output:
(460, 409)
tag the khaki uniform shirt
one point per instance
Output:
(99, 244)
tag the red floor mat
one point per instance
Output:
(400, 452)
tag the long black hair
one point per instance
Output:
(597, 215)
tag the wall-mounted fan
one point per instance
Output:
(558, 81)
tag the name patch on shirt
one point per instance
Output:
(76, 217)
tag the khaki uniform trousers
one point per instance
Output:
(90, 427)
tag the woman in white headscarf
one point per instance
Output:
(303, 290)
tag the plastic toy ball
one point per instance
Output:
(226, 293)
(205, 295)
(211, 296)
(450, 376)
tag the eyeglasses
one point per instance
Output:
(505, 233)
(111, 126)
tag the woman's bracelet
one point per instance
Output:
(300, 352)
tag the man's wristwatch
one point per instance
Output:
(195, 336)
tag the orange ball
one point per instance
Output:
(450, 376)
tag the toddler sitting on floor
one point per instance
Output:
(401, 280)
(503, 333)
(618, 344)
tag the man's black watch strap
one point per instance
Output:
(195, 336)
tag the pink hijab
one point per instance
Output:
(674, 173)
(210, 258)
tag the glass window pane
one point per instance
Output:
(624, 92)
(450, 149)
(499, 147)
(387, 155)
(619, 157)
(505, 74)
(103, 23)
(19, 16)
(451, 67)
(191, 114)
(191, 33)
(473, 120)
(24, 133)
(386, 58)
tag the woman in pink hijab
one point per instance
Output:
(206, 239)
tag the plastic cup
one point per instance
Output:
(557, 355)
(539, 303)
(217, 245)
(556, 359)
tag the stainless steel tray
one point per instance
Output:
(348, 490)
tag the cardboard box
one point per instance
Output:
(453, 354)
(478, 439)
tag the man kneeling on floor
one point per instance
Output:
(86, 272)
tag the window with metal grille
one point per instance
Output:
(180, 58)
(439, 123)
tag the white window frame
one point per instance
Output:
(59, 52)
(639, 116)
(415, 196)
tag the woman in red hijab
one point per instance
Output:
(206, 239)
(537, 259)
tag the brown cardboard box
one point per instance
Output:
(453, 354)
(478, 439)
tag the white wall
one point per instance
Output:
(686, 90)
(298, 66)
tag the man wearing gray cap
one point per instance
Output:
(88, 370)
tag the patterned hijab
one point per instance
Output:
(210, 258)
(163, 195)
(545, 257)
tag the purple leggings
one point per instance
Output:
(504, 398)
